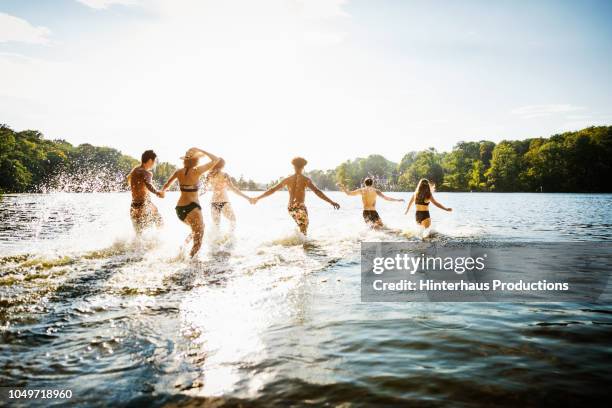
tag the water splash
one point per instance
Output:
(94, 178)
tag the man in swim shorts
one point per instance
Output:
(143, 212)
(368, 197)
(296, 184)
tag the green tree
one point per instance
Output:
(426, 165)
(505, 168)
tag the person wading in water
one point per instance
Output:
(297, 184)
(188, 207)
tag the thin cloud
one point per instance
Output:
(104, 4)
(323, 9)
(538, 111)
(15, 29)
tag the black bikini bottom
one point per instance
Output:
(138, 204)
(422, 216)
(218, 206)
(371, 217)
(183, 210)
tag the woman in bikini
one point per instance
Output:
(188, 207)
(219, 182)
(421, 198)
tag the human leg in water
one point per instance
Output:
(196, 223)
(228, 213)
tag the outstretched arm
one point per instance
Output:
(437, 204)
(347, 192)
(170, 181)
(380, 194)
(272, 190)
(235, 189)
(320, 194)
(149, 185)
(409, 204)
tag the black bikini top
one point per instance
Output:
(190, 188)
(421, 203)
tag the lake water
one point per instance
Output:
(264, 318)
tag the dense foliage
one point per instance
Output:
(569, 162)
(29, 162)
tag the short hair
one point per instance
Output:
(368, 181)
(148, 155)
(299, 162)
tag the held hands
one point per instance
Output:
(253, 200)
(161, 194)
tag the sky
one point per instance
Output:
(259, 82)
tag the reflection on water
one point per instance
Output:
(266, 318)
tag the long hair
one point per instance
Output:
(423, 191)
(189, 163)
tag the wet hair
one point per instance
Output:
(423, 191)
(368, 181)
(148, 155)
(299, 162)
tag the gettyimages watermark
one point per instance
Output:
(476, 272)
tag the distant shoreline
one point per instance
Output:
(327, 191)
(569, 162)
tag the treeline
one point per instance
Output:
(31, 163)
(247, 185)
(569, 162)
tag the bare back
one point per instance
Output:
(368, 197)
(189, 178)
(140, 184)
(218, 184)
(296, 185)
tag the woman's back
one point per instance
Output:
(189, 182)
(217, 182)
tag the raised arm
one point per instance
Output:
(170, 181)
(211, 156)
(347, 192)
(384, 197)
(235, 189)
(320, 194)
(409, 204)
(272, 190)
(437, 204)
(205, 167)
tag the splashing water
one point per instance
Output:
(266, 315)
